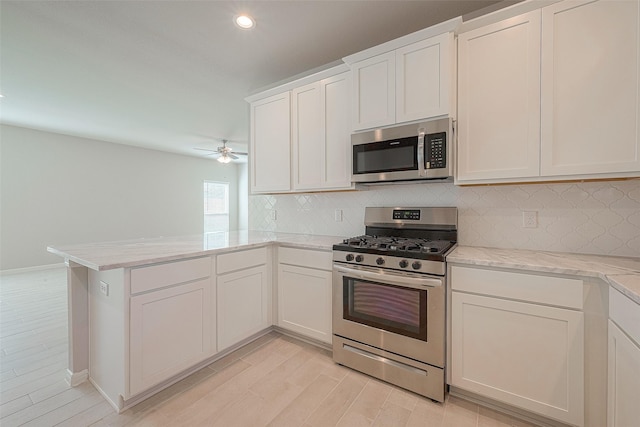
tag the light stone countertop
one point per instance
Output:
(138, 252)
(621, 273)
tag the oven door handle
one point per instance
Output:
(420, 283)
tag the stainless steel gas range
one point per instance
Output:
(389, 297)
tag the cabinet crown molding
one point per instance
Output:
(298, 81)
(502, 14)
(435, 30)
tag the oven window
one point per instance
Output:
(392, 308)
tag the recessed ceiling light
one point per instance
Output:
(245, 21)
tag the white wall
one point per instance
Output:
(58, 189)
(592, 217)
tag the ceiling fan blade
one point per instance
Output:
(204, 149)
(233, 156)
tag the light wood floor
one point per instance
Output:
(274, 381)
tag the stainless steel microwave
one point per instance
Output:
(410, 152)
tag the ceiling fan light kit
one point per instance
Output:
(225, 153)
(224, 159)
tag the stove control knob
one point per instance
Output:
(380, 261)
(349, 257)
(359, 258)
(404, 263)
(416, 265)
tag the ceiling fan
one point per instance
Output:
(224, 152)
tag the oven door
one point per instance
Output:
(402, 313)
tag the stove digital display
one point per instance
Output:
(406, 214)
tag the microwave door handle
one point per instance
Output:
(421, 170)
(391, 279)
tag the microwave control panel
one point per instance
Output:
(435, 150)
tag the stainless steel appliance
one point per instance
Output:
(389, 297)
(410, 152)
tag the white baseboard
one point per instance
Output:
(32, 269)
(76, 378)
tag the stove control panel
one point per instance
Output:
(390, 262)
(404, 214)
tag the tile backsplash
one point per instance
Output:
(585, 217)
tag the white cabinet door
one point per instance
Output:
(170, 332)
(304, 301)
(499, 100)
(624, 379)
(243, 300)
(321, 135)
(374, 91)
(423, 78)
(590, 113)
(308, 135)
(336, 161)
(270, 156)
(526, 355)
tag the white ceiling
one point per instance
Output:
(173, 75)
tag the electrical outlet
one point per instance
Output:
(530, 219)
(274, 215)
(338, 215)
(104, 288)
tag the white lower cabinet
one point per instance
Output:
(170, 326)
(243, 298)
(624, 379)
(170, 332)
(624, 361)
(304, 292)
(509, 347)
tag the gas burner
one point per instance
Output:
(405, 247)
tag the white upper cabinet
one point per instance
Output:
(270, 155)
(321, 135)
(550, 94)
(335, 101)
(374, 91)
(499, 100)
(590, 88)
(307, 138)
(424, 76)
(407, 79)
(301, 135)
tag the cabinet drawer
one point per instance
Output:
(625, 313)
(158, 276)
(238, 260)
(527, 287)
(320, 260)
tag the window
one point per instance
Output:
(216, 206)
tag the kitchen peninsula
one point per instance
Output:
(145, 313)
